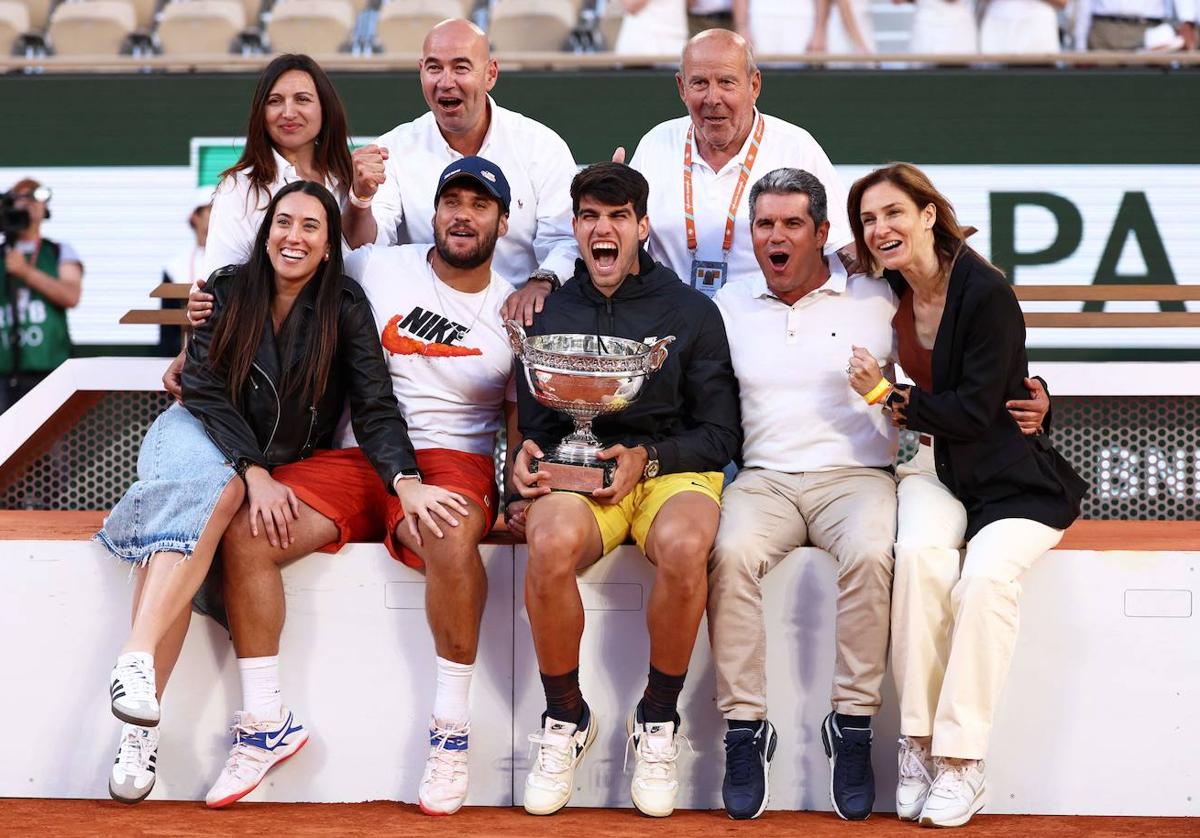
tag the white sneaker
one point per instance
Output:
(655, 778)
(444, 783)
(956, 794)
(257, 748)
(562, 746)
(133, 771)
(131, 688)
(916, 776)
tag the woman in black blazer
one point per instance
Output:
(1009, 496)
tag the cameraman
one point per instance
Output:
(39, 280)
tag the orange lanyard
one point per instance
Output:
(689, 211)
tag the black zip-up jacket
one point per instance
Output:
(689, 409)
(270, 429)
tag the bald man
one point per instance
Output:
(395, 178)
(729, 145)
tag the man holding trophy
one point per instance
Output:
(627, 345)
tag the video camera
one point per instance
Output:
(15, 220)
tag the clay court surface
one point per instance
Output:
(94, 817)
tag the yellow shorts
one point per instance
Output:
(635, 513)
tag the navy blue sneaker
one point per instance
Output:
(851, 778)
(747, 770)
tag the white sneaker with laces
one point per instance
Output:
(444, 784)
(258, 746)
(131, 688)
(134, 769)
(916, 776)
(655, 778)
(956, 793)
(561, 747)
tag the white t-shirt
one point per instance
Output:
(535, 161)
(799, 412)
(660, 28)
(449, 400)
(237, 214)
(659, 157)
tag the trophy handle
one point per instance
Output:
(516, 337)
(658, 354)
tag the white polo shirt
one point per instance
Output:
(799, 412)
(659, 157)
(450, 359)
(534, 159)
(237, 214)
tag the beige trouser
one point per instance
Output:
(1117, 35)
(764, 516)
(953, 631)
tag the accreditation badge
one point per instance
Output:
(708, 277)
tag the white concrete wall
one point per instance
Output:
(1099, 716)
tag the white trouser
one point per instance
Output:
(953, 631)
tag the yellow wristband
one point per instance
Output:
(878, 393)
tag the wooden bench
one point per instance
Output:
(1107, 294)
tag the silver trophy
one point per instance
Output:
(584, 376)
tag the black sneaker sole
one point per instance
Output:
(827, 741)
(129, 801)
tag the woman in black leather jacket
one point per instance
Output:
(290, 341)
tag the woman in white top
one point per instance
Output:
(1020, 26)
(942, 27)
(652, 27)
(296, 131)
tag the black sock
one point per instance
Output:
(564, 700)
(860, 722)
(742, 724)
(661, 696)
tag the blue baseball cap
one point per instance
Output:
(484, 172)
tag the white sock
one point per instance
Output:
(144, 658)
(450, 704)
(260, 687)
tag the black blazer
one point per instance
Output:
(979, 363)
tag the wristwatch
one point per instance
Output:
(407, 474)
(652, 466)
(547, 276)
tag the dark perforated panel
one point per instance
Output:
(1141, 455)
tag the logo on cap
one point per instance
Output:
(488, 175)
(449, 175)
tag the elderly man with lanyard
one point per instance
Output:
(725, 144)
(830, 485)
(395, 177)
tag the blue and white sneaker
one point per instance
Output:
(561, 747)
(444, 783)
(134, 769)
(748, 754)
(851, 777)
(258, 746)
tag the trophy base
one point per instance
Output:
(567, 476)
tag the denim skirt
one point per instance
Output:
(181, 475)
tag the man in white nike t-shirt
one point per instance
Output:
(437, 307)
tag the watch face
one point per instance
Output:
(652, 468)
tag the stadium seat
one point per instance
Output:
(91, 27)
(403, 23)
(14, 22)
(531, 25)
(39, 13)
(310, 26)
(199, 26)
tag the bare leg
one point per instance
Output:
(168, 583)
(455, 584)
(678, 543)
(563, 536)
(253, 583)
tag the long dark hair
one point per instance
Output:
(332, 155)
(239, 326)
(948, 238)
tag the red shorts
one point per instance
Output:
(343, 486)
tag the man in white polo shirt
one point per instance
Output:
(817, 469)
(700, 166)
(395, 178)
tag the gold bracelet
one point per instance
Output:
(878, 392)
